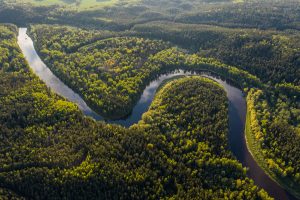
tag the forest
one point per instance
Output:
(108, 52)
(51, 151)
(123, 15)
(118, 67)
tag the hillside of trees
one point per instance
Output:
(265, 14)
(273, 56)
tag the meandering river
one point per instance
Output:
(237, 111)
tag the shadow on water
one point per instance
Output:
(237, 111)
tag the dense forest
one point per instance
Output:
(108, 52)
(109, 73)
(49, 150)
(118, 67)
(123, 15)
(282, 100)
(270, 55)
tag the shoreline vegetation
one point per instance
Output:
(254, 146)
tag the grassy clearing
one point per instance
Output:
(77, 4)
(256, 152)
(238, 1)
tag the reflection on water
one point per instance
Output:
(237, 111)
(44, 73)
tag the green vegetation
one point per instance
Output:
(135, 66)
(169, 80)
(9, 195)
(190, 141)
(111, 73)
(273, 142)
(49, 150)
(122, 15)
(108, 51)
(273, 56)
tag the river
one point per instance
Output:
(237, 111)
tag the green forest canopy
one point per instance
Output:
(114, 52)
(50, 150)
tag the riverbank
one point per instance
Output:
(256, 152)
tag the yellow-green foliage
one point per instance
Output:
(271, 139)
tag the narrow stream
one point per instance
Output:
(237, 111)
